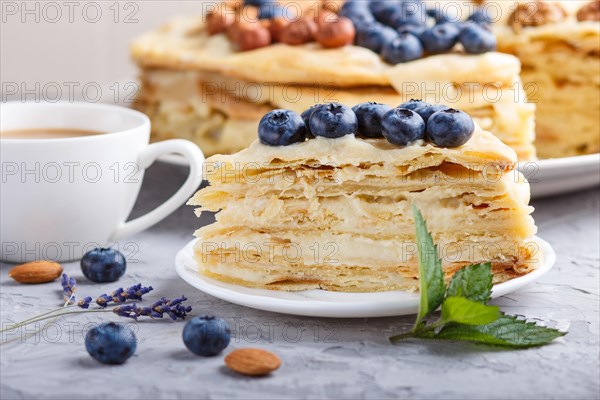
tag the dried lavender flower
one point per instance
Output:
(85, 303)
(69, 285)
(121, 295)
(175, 309)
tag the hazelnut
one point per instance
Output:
(219, 21)
(336, 34)
(333, 5)
(300, 31)
(325, 16)
(535, 14)
(589, 12)
(248, 14)
(253, 36)
(276, 28)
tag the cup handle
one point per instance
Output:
(195, 159)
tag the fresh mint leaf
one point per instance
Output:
(469, 312)
(507, 330)
(473, 282)
(431, 277)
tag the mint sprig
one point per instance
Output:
(433, 287)
(465, 313)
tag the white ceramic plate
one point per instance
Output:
(561, 175)
(321, 303)
(547, 177)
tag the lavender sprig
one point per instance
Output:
(121, 295)
(175, 309)
(69, 285)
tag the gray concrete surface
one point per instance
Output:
(322, 358)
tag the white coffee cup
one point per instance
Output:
(60, 197)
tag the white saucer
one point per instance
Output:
(321, 303)
(555, 176)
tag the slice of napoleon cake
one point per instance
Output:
(325, 200)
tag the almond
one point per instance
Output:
(253, 362)
(36, 272)
(336, 34)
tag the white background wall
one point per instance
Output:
(64, 44)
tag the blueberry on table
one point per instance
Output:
(477, 39)
(281, 128)
(450, 128)
(413, 104)
(333, 120)
(402, 127)
(375, 36)
(110, 343)
(427, 110)
(369, 116)
(206, 336)
(306, 117)
(406, 47)
(440, 38)
(103, 265)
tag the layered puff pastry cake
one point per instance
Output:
(334, 212)
(558, 43)
(204, 85)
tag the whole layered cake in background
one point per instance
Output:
(210, 78)
(558, 43)
(323, 200)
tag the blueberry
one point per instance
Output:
(103, 265)
(375, 36)
(416, 30)
(281, 128)
(425, 111)
(369, 117)
(402, 127)
(357, 12)
(383, 10)
(333, 120)
(409, 13)
(413, 104)
(439, 16)
(405, 47)
(477, 39)
(110, 343)
(450, 128)
(206, 336)
(306, 114)
(258, 3)
(480, 16)
(440, 38)
(272, 10)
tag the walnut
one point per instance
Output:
(535, 13)
(589, 12)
